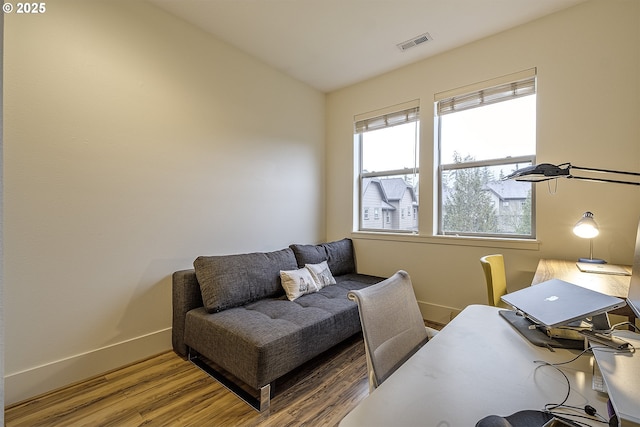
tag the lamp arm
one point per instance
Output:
(602, 180)
(604, 170)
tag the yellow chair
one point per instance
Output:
(494, 273)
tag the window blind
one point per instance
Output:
(387, 120)
(487, 96)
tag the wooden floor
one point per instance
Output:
(167, 390)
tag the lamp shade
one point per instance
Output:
(541, 172)
(586, 227)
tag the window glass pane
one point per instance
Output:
(490, 132)
(476, 201)
(390, 148)
(393, 200)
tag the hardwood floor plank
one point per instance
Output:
(66, 404)
(201, 410)
(38, 407)
(168, 391)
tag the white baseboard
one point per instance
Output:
(437, 313)
(35, 381)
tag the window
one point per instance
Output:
(387, 142)
(484, 133)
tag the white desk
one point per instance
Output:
(478, 365)
(621, 373)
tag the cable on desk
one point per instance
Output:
(552, 408)
(631, 349)
(590, 414)
(617, 325)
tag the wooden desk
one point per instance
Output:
(610, 284)
(478, 365)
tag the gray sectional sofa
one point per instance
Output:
(233, 317)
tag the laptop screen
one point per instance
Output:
(556, 302)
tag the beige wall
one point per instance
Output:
(134, 142)
(588, 62)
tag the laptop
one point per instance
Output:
(588, 267)
(556, 302)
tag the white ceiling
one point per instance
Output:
(330, 44)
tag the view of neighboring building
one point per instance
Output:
(509, 199)
(389, 203)
(492, 206)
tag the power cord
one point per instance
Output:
(591, 414)
(617, 325)
(553, 408)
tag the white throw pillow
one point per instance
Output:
(297, 283)
(321, 274)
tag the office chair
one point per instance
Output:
(392, 325)
(494, 273)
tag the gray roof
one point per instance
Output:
(509, 190)
(395, 188)
(392, 189)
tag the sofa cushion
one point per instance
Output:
(321, 274)
(338, 254)
(233, 280)
(298, 282)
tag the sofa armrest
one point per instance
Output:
(186, 296)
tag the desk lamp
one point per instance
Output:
(588, 229)
(547, 171)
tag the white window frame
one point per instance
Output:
(407, 112)
(484, 93)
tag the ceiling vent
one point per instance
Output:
(415, 41)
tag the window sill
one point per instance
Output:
(487, 242)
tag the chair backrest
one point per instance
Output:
(494, 273)
(392, 325)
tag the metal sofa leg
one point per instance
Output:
(260, 403)
(265, 398)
